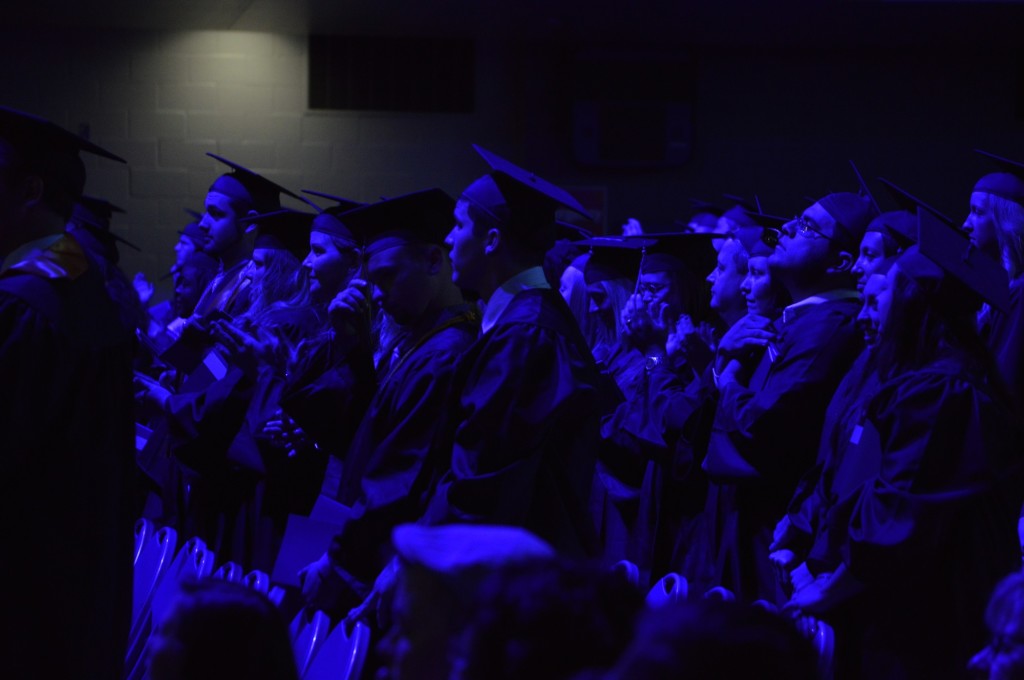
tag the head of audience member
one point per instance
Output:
(714, 639)
(885, 238)
(190, 280)
(573, 287)
(995, 223)
(41, 177)
(816, 250)
(276, 277)
(440, 569)
(405, 260)
(672, 275)
(333, 257)
(868, 318)
(1003, 657)
(547, 619)
(727, 297)
(764, 296)
(504, 224)
(218, 629)
(190, 239)
(923, 311)
(234, 196)
(610, 274)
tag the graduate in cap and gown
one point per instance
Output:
(844, 456)
(233, 196)
(392, 466)
(767, 426)
(527, 398)
(995, 225)
(66, 418)
(934, 529)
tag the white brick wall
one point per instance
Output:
(163, 100)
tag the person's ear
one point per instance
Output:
(842, 263)
(247, 228)
(492, 241)
(32, 189)
(435, 260)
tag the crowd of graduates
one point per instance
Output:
(818, 413)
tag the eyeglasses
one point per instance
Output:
(770, 236)
(807, 229)
(653, 289)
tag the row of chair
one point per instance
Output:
(674, 588)
(159, 568)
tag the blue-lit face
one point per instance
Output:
(804, 243)
(183, 249)
(326, 266)
(868, 319)
(871, 258)
(980, 224)
(466, 250)
(402, 283)
(258, 265)
(725, 280)
(757, 287)
(220, 224)
(656, 290)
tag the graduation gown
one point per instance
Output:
(765, 437)
(1004, 335)
(935, 529)
(68, 440)
(649, 478)
(392, 467)
(847, 457)
(524, 426)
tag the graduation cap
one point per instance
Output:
(51, 152)
(251, 189)
(1008, 184)
(452, 550)
(326, 223)
(283, 229)
(864, 190)
(341, 205)
(910, 203)
(95, 214)
(945, 251)
(852, 213)
(419, 217)
(33, 134)
(519, 200)
(614, 257)
(679, 252)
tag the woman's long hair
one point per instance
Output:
(929, 319)
(1009, 220)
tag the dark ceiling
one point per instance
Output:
(744, 23)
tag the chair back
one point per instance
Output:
(153, 559)
(342, 655)
(823, 639)
(629, 571)
(229, 571)
(669, 588)
(720, 593)
(143, 530)
(257, 580)
(308, 632)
